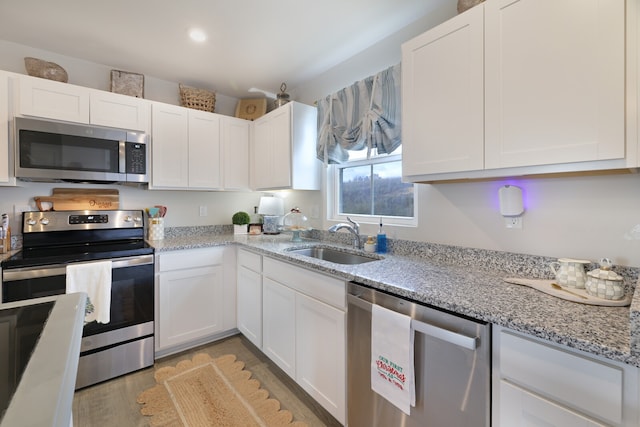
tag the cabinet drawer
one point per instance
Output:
(189, 258)
(324, 288)
(250, 260)
(579, 382)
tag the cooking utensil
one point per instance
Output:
(163, 210)
(560, 288)
(153, 212)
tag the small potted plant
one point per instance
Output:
(240, 222)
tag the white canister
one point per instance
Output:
(370, 245)
(156, 229)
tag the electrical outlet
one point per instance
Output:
(203, 211)
(513, 222)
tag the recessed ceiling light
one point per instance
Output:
(197, 35)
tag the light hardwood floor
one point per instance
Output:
(113, 403)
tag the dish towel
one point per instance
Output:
(94, 279)
(392, 370)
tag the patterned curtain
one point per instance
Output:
(365, 115)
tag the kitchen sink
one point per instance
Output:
(334, 255)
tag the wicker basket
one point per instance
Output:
(198, 99)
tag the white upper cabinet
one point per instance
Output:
(6, 158)
(443, 97)
(120, 111)
(555, 82)
(198, 150)
(235, 153)
(283, 149)
(52, 100)
(169, 146)
(62, 101)
(515, 87)
(204, 150)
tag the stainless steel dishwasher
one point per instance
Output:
(452, 366)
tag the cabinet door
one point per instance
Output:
(235, 152)
(169, 147)
(6, 153)
(443, 99)
(190, 306)
(53, 100)
(249, 301)
(278, 327)
(120, 111)
(555, 82)
(320, 353)
(518, 407)
(204, 150)
(272, 150)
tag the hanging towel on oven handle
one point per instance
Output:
(94, 279)
(392, 364)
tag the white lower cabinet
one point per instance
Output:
(279, 325)
(519, 407)
(304, 315)
(320, 353)
(540, 384)
(196, 299)
(249, 296)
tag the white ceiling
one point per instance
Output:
(251, 43)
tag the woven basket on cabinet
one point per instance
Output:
(198, 99)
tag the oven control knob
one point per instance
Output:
(128, 218)
(137, 219)
(44, 221)
(31, 222)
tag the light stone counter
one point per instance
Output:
(465, 281)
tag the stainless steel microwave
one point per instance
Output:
(61, 151)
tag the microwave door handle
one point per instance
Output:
(470, 343)
(122, 156)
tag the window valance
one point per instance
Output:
(363, 115)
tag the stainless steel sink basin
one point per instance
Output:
(333, 255)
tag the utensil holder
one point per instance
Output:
(156, 229)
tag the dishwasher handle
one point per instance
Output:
(469, 343)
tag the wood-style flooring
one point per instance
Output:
(113, 403)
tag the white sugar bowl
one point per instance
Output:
(604, 283)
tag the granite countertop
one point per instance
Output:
(465, 281)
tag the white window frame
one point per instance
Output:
(333, 196)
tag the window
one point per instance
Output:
(366, 190)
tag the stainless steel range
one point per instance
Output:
(54, 240)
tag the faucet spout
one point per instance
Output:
(353, 227)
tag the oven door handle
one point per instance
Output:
(470, 343)
(25, 273)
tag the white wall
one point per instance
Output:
(581, 217)
(98, 76)
(183, 206)
(586, 217)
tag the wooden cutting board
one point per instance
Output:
(71, 199)
(545, 286)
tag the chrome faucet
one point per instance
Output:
(353, 227)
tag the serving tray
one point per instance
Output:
(544, 285)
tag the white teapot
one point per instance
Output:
(570, 272)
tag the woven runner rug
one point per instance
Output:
(205, 392)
